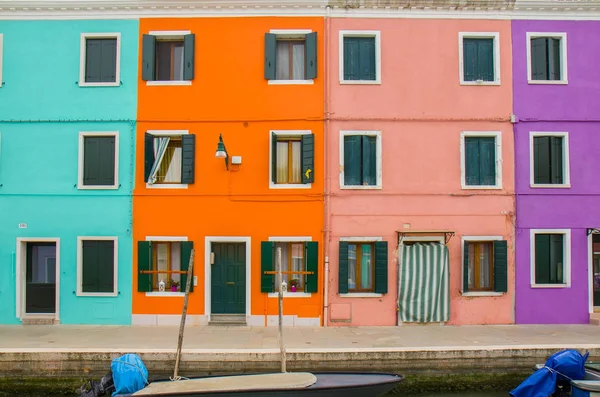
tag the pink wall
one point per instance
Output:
(420, 109)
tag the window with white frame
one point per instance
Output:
(163, 264)
(360, 57)
(100, 55)
(550, 257)
(290, 56)
(549, 159)
(485, 264)
(169, 158)
(481, 159)
(1, 51)
(168, 57)
(97, 266)
(360, 159)
(546, 58)
(479, 57)
(292, 159)
(98, 160)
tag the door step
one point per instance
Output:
(38, 321)
(595, 318)
(227, 319)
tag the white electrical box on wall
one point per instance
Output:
(236, 159)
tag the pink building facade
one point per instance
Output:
(419, 152)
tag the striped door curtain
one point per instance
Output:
(424, 295)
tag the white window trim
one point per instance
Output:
(360, 33)
(83, 55)
(462, 273)
(370, 239)
(273, 185)
(82, 136)
(378, 157)
(463, 153)
(563, 57)
(566, 168)
(479, 35)
(171, 185)
(80, 240)
(1, 51)
(166, 239)
(566, 252)
(291, 239)
(290, 34)
(169, 35)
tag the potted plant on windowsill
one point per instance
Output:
(293, 285)
(174, 285)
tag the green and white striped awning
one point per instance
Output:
(423, 291)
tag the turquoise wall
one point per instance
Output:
(42, 111)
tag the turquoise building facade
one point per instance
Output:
(68, 105)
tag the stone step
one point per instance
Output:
(227, 319)
(595, 318)
(38, 321)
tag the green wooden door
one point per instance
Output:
(228, 278)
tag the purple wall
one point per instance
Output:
(572, 108)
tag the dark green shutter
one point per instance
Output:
(148, 57)
(469, 59)
(311, 253)
(554, 55)
(487, 161)
(108, 67)
(500, 266)
(186, 252)
(557, 260)
(472, 171)
(366, 47)
(93, 60)
(273, 157)
(351, 58)
(466, 267)
(311, 56)
(148, 155)
(541, 160)
(270, 55)
(556, 159)
(381, 267)
(343, 268)
(144, 263)
(485, 59)
(542, 258)
(369, 160)
(188, 56)
(539, 59)
(90, 271)
(267, 262)
(99, 161)
(188, 158)
(352, 160)
(308, 158)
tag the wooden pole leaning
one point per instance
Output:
(183, 315)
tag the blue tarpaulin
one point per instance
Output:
(129, 374)
(564, 365)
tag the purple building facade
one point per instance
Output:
(557, 170)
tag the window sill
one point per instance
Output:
(548, 82)
(97, 187)
(111, 84)
(551, 186)
(291, 82)
(166, 83)
(483, 293)
(166, 294)
(361, 295)
(98, 294)
(550, 286)
(481, 187)
(361, 187)
(290, 294)
(167, 186)
(484, 83)
(290, 185)
(361, 82)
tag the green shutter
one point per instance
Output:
(93, 60)
(542, 258)
(352, 160)
(472, 171)
(541, 160)
(485, 59)
(148, 57)
(311, 254)
(273, 157)
(188, 158)
(539, 59)
(343, 268)
(308, 158)
(311, 56)
(554, 71)
(366, 47)
(144, 263)
(106, 253)
(99, 161)
(90, 265)
(466, 267)
(469, 59)
(500, 266)
(556, 159)
(267, 264)
(148, 155)
(487, 161)
(351, 58)
(381, 267)
(369, 160)
(188, 56)
(270, 55)
(557, 260)
(108, 67)
(186, 252)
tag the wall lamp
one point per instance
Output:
(222, 152)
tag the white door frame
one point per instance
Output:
(590, 239)
(208, 240)
(21, 276)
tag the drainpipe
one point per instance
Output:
(327, 220)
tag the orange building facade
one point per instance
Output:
(257, 200)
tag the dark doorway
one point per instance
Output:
(596, 269)
(40, 285)
(228, 278)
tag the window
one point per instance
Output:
(163, 261)
(549, 159)
(363, 266)
(290, 56)
(360, 159)
(100, 59)
(97, 266)
(296, 256)
(292, 159)
(481, 159)
(168, 58)
(360, 57)
(547, 58)
(169, 158)
(98, 160)
(479, 54)
(551, 258)
(1, 51)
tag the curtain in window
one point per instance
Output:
(365, 268)
(296, 162)
(298, 58)
(160, 148)
(282, 162)
(283, 60)
(170, 168)
(284, 263)
(298, 262)
(351, 266)
(162, 263)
